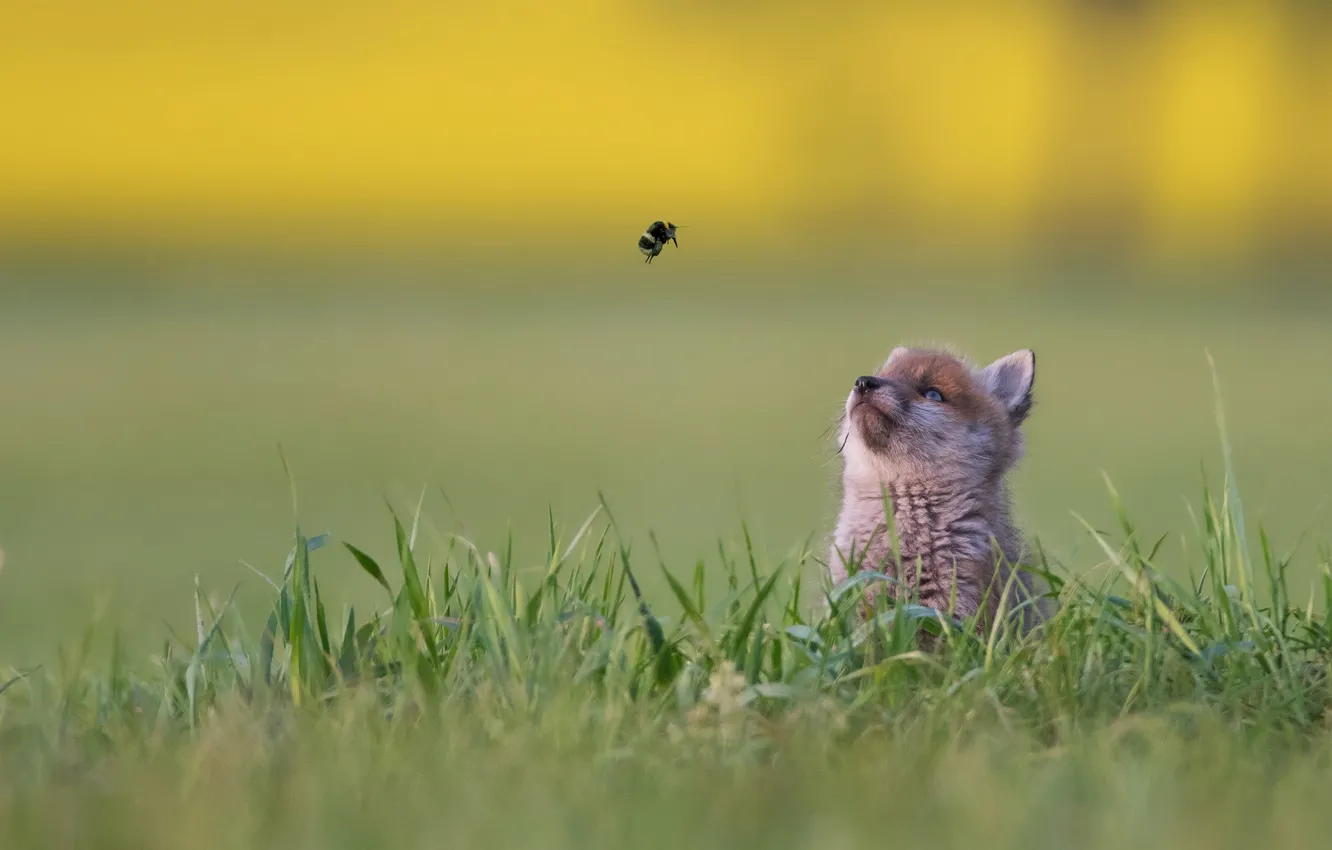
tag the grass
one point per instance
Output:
(434, 684)
(478, 704)
(137, 440)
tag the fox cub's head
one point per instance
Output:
(929, 417)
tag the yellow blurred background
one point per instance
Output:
(1195, 129)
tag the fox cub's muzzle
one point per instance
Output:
(868, 383)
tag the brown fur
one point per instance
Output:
(943, 466)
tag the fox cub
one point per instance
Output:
(938, 437)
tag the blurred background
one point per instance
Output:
(398, 240)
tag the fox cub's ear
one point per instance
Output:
(1010, 379)
(893, 355)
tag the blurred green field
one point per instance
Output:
(138, 435)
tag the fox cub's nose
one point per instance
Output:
(867, 383)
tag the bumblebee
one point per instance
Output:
(655, 238)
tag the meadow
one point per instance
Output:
(498, 686)
(139, 439)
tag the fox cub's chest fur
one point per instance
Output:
(936, 438)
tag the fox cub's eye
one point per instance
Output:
(933, 394)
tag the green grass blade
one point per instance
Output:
(371, 567)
